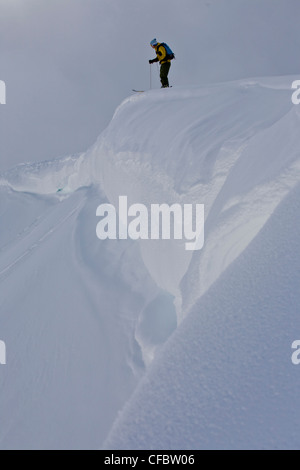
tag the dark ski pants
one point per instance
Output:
(164, 72)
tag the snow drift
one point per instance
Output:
(125, 344)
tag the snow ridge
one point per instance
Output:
(85, 320)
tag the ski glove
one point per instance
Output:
(151, 61)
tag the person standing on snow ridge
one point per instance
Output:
(165, 63)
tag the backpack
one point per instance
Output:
(170, 53)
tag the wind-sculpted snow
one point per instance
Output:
(84, 320)
(225, 380)
(233, 147)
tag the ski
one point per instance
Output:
(139, 91)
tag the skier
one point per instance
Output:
(163, 59)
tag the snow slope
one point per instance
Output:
(117, 343)
(225, 379)
(232, 147)
(72, 355)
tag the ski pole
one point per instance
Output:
(150, 78)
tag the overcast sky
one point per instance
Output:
(67, 64)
